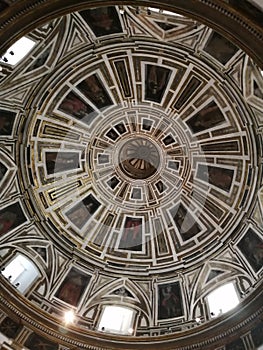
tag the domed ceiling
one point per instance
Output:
(131, 166)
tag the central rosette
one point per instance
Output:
(139, 158)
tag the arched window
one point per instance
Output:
(117, 319)
(222, 299)
(18, 51)
(21, 272)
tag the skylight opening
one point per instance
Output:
(117, 319)
(222, 299)
(18, 51)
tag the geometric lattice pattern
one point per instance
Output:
(131, 170)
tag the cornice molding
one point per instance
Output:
(23, 16)
(206, 335)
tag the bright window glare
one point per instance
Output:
(21, 272)
(171, 13)
(222, 299)
(19, 49)
(153, 9)
(116, 319)
(69, 317)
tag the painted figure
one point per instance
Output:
(74, 106)
(209, 117)
(7, 119)
(11, 217)
(169, 301)
(185, 223)
(220, 177)
(220, 48)
(71, 290)
(7, 220)
(73, 287)
(132, 236)
(102, 20)
(82, 212)
(61, 161)
(156, 82)
(216, 176)
(169, 304)
(40, 60)
(251, 245)
(92, 88)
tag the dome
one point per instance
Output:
(131, 176)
